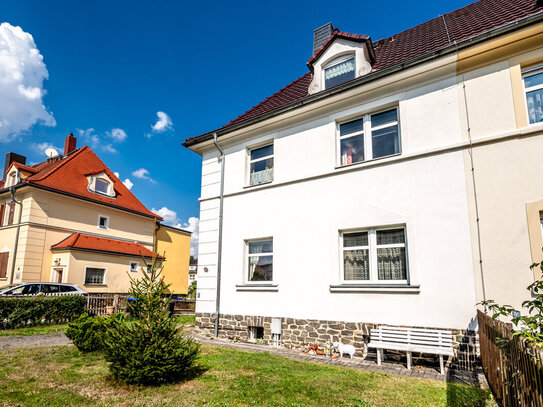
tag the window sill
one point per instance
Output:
(257, 185)
(375, 288)
(257, 287)
(361, 163)
(95, 285)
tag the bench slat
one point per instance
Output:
(422, 330)
(409, 348)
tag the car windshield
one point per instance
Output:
(26, 289)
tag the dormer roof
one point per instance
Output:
(336, 34)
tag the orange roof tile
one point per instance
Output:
(68, 174)
(79, 241)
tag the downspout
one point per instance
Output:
(219, 247)
(12, 190)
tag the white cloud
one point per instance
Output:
(41, 147)
(142, 173)
(118, 135)
(169, 216)
(22, 72)
(193, 225)
(163, 124)
(103, 142)
(127, 183)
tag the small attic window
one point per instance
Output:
(339, 70)
(101, 184)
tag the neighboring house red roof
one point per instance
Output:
(69, 175)
(440, 32)
(23, 167)
(80, 241)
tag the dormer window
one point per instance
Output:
(101, 184)
(12, 178)
(340, 70)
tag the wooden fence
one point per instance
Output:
(513, 366)
(183, 307)
(99, 304)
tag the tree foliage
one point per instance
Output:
(529, 324)
(151, 349)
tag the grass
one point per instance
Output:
(62, 376)
(33, 330)
(185, 319)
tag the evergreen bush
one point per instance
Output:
(151, 349)
(87, 333)
(27, 311)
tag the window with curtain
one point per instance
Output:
(533, 86)
(260, 260)
(369, 137)
(339, 72)
(374, 256)
(261, 165)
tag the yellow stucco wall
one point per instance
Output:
(176, 245)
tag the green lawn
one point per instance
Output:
(33, 330)
(63, 376)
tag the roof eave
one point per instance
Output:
(79, 249)
(29, 184)
(370, 77)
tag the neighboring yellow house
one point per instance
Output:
(70, 219)
(174, 244)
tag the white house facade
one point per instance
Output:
(349, 201)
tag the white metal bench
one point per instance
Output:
(433, 341)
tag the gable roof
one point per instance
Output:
(434, 35)
(68, 175)
(79, 241)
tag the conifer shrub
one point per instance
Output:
(87, 332)
(150, 349)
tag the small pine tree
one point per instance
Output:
(151, 349)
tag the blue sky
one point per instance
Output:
(115, 64)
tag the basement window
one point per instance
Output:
(256, 332)
(134, 266)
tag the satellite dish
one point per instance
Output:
(51, 152)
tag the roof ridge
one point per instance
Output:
(68, 158)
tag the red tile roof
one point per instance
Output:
(69, 175)
(24, 167)
(100, 244)
(462, 24)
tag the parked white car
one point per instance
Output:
(45, 288)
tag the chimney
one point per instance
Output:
(12, 157)
(70, 144)
(320, 35)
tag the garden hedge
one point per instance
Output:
(26, 311)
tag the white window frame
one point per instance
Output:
(137, 263)
(53, 274)
(530, 72)
(256, 147)
(104, 282)
(247, 262)
(107, 222)
(334, 62)
(92, 185)
(372, 255)
(367, 128)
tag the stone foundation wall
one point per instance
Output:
(298, 333)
